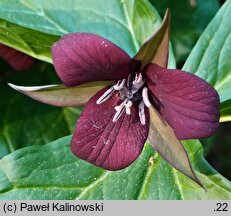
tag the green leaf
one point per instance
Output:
(52, 172)
(31, 42)
(187, 22)
(156, 49)
(210, 58)
(134, 21)
(61, 95)
(25, 122)
(103, 17)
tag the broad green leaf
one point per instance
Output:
(134, 21)
(210, 59)
(156, 49)
(52, 172)
(104, 17)
(217, 187)
(61, 95)
(31, 42)
(188, 21)
(25, 122)
(164, 141)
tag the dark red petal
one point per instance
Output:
(188, 103)
(17, 60)
(85, 57)
(104, 143)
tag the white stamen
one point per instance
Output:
(117, 108)
(107, 94)
(118, 113)
(129, 81)
(128, 103)
(119, 85)
(141, 113)
(137, 83)
(121, 105)
(128, 110)
(145, 97)
(128, 106)
(130, 90)
(138, 78)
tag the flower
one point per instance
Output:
(17, 60)
(114, 124)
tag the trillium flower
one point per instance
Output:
(114, 125)
(130, 100)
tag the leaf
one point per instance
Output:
(25, 122)
(187, 22)
(51, 17)
(210, 59)
(179, 187)
(155, 49)
(31, 42)
(60, 95)
(42, 172)
(164, 141)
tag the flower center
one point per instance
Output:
(131, 90)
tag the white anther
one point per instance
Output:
(128, 110)
(128, 106)
(137, 83)
(117, 108)
(129, 82)
(119, 112)
(145, 97)
(138, 79)
(119, 85)
(107, 94)
(141, 113)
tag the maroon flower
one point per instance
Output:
(17, 60)
(114, 125)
